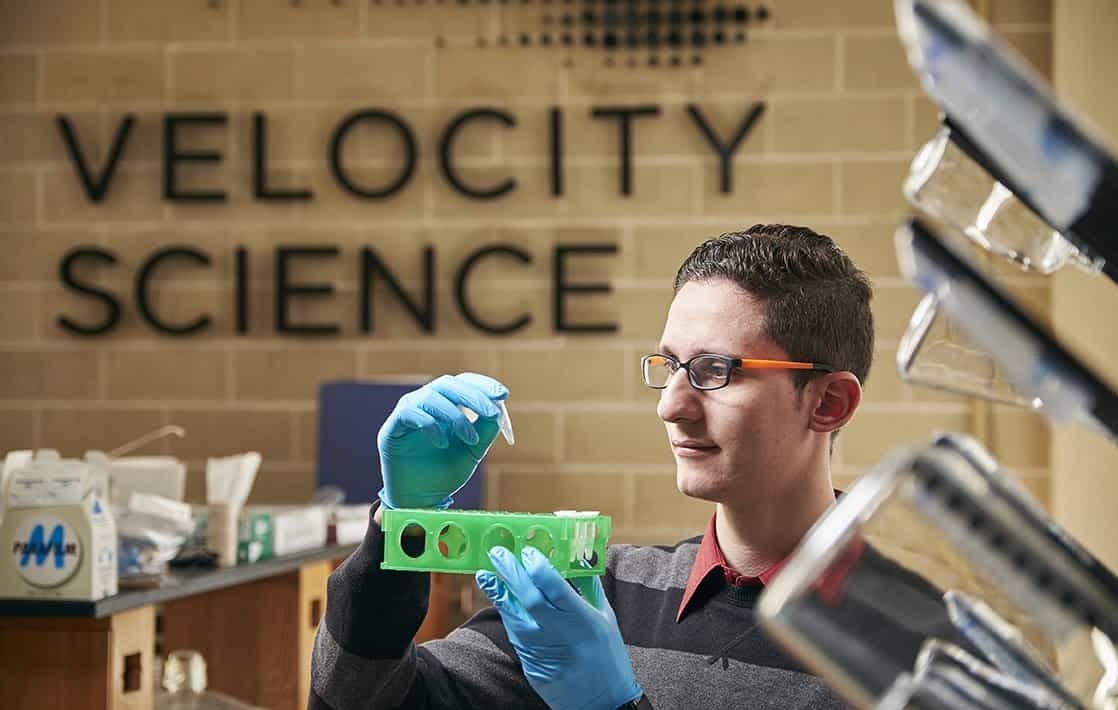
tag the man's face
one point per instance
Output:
(750, 440)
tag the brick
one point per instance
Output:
(239, 200)
(533, 493)
(925, 116)
(37, 22)
(884, 385)
(588, 76)
(773, 63)
(425, 362)
(467, 72)
(873, 187)
(480, 139)
(134, 194)
(254, 74)
(56, 302)
(655, 190)
(638, 312)
(535, 436)
(531, 197)
(876, 63)
(27, 136)
(16, 430)
(456, 246)
(306, 436)
(289, 373)
(1035, 47)
(365, 72)
(838, 125)
(19, 315)
(339, 308)
(670, 133)
(308, 19)
(305, 133)
(17, 196)
(614, 437)
(141, 21)
(1004, 12)
(331, 201)
(569, 374)
(75, 431)
(802, 14)
(392, 20)
(103, 75)
(892, 308)
(211, 433)
(281, 485)
(165, 374)
(659, 503)
(870, 246)
(659, 251)
(145, 141)
(871, 435)
(134, 247)
(34, 256)
(512, 20)
(18, 78)
(48, 374)
(495, 304)
(182, 304)
(1020, 438)
(779, 190)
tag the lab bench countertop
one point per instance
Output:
(177, 583)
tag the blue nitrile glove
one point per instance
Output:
(428, 449)
(572, 653)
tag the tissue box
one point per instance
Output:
(271, 531)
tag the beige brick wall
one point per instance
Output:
(844, 118)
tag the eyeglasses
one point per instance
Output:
(711, 372)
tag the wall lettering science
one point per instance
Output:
(97, 181)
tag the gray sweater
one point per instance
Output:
(715, 656)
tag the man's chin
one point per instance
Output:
(698, 482)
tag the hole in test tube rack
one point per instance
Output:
(413, 540)
(498, 536)
(542, 541)
(452, 542)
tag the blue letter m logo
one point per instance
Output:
(40, 549)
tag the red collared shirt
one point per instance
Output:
(709, 559)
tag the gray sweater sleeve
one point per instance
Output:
(365, 654)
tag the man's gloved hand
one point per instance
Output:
(428, 448)
(572, 653)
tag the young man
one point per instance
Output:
(764, 353)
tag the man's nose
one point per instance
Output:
(679, 401)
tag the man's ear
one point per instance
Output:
(838, 395)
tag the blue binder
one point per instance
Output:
(350, 414)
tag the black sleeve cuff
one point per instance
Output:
(370, 612)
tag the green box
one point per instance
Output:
(255, 537)
(460, 540)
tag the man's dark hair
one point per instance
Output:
(815, 300)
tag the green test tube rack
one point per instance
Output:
(460, 540)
